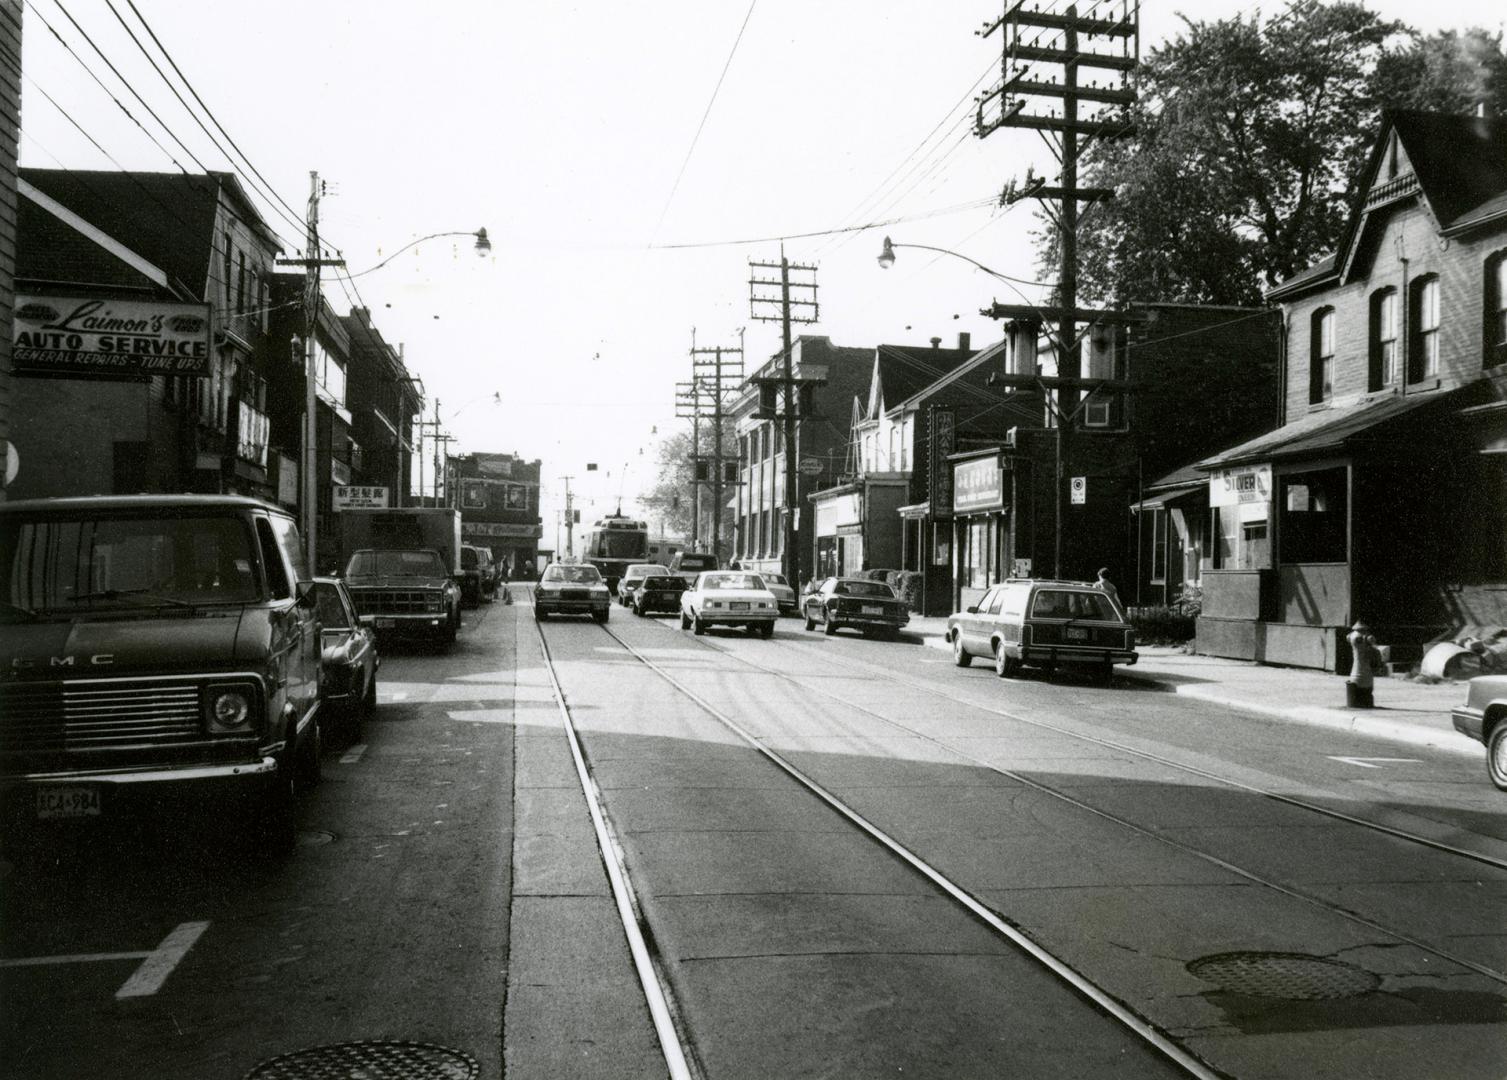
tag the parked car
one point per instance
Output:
(157, 650)
(728, 598)
(408, 591)
(871, 607)
(348, 674)
(659, 594)
(1483, 717)
(572, 589)
(1039, 623)
(690, 563)
(634, 577)
(784, 595)
(478, 581)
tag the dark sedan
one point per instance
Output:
(870, 607)
(348, 672)
(659, 594)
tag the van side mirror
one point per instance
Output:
(305, 590)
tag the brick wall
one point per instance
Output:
(1460, 266)
(10, 127)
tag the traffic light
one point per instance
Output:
(729, 472)
(702, 473)
(575, 517)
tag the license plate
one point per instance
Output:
(738, 605)
(385, 624)
(873, 609)
(68, 802)
(1076, 634)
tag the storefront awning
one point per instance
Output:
(1323, 432)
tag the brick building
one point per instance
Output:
(1381, 496)
(498, 499)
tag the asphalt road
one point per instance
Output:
(449, 888)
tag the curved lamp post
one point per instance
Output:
(482, 247)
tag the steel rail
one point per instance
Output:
(1036, 785)
(1086, 988)
(661, 1005)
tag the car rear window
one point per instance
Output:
(732, 581)
(1062, 604)
(865, 588)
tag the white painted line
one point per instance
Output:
(1366, 762)
(161, 961)
(353, 755)
(75, 958)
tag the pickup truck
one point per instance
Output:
(405, 593)
(156, 650)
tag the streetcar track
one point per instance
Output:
(1097, 996)
(1251, 876)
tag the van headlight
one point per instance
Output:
(229, 708)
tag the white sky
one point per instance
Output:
(562, 128)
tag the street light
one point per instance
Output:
(887, 260)
(482, 247)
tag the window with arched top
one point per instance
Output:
(1321, 355)
(1423, 328)
(1495, 309)
(1383, 339)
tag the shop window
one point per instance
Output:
(1423, 318)
(1241, 540)
(1383, 339)
(1496, 310)
(1321, 356)
(976, 554)
(1314, 517)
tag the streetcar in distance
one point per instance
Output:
(613, 543)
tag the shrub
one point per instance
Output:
(1190, 601)
(907, 586)
(878, 575)
(1161, 625)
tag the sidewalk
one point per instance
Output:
(1406, 712)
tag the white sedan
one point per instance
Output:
(728, 598)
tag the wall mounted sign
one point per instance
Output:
(978, 485)
(75, 335)
(939, 479)
(358, 497)
(1242, 484)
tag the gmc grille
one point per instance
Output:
(82, 716)
(392, 601)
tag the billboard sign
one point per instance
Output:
(75, 335)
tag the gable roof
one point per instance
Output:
(169, 218)
(901, 371)
(1460, 167)
(57, 248)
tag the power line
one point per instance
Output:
(696, 138)
(974, 205)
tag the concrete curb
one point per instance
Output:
(1316, 716)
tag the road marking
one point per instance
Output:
(156, 964)
(161, 961)
(1365, 762)
(353, 755)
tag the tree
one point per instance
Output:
(668, 500)
(1246, 137)
(1445, 72)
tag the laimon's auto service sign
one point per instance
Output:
(72, 335)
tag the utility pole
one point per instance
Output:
(717, 369)
(570, 547)
(312, 262)
(689, 406)
(1018, 84)
(790, 561)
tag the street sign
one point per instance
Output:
(1079, 489)
(810, 466)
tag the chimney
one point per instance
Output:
(964, 341)
(936, 343)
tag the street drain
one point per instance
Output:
(1290, 976)
(369, 1061)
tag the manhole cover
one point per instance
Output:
(369, 1061)
(1291, 976)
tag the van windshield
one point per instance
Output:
(60, 565)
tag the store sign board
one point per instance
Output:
(496, 530)
(359, 497)
(1243, 484)
(943, 441)
(75, 335)
(978, 485)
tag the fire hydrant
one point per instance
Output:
(1363, 653)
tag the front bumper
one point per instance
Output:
(1468, 721)
(424, 625)
(120, 793)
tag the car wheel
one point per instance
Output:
(685, 620)
(1496, 755)
(829, 627)
(810, 622)
(602, 616)
(539, 613)
(1005, 665)
(697, 626)
(1107, 673)
(271, 830)
(311, 754)
(959, 656)
(638, 609)
(767, 631)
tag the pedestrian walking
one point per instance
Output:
(1108, 587)
(507, 574)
